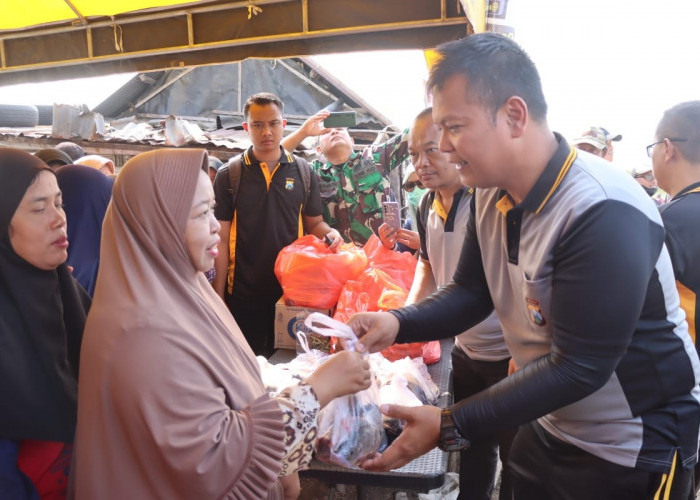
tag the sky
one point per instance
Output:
(612, 63)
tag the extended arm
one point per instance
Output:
(312, 127)
(602, 268)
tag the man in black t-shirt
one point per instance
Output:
(272, 209)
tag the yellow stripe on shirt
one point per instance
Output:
(688, 299)
(231, 254)
(562, 172)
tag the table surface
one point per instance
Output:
(422, 474)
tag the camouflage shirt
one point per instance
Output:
(352, 193)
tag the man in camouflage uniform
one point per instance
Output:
(353, 185)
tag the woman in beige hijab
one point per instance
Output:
(171, 404)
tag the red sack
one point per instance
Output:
(401, 266)
(429, 351)
(312, 276)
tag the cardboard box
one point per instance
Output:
(288, 319)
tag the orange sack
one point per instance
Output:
(312, 276)
(401, 266)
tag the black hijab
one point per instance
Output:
(41, 325)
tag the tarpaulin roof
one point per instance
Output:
(53, 39)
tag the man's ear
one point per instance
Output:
(672, 152)
(245, 127)
(516, 114)
(284, 123)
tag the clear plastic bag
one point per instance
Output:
(350, 428)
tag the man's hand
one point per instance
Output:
(333, 239)
(387, 235)
(390, 237)
(375, 330)
(408, 238)
(512, 367)
(420, 435)
(313, 125)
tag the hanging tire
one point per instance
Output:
(45, 114)
(18, 115)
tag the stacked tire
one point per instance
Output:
(18, 115)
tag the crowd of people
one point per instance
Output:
(134, 303)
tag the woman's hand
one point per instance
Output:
(344, 373)
(291, 486)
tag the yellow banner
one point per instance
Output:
(18, 14)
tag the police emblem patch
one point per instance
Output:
(533, 308)
(289, 183)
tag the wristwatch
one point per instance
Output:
(450, 438)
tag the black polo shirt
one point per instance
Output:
(583, 287)
(267, 218)
(681, 216)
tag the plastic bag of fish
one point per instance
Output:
(404, 382)
(350, 428)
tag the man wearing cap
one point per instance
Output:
(609, 139)
(593, 141)
(353, 185)
(644, 175)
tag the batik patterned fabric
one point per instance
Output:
(300, 408)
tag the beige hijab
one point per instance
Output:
(170, 401)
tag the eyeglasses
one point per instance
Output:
(410, 185)
(650, 147)
(648, 176)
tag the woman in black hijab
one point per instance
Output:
(41, 326)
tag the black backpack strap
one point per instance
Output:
(424, 207)
(305, 174)
(235, 165)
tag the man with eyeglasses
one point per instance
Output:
(676, 163)
(644, 176)
(353, 185)
(675, 159)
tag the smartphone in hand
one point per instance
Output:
(392, 215)
(340, 119)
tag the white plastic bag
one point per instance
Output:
(448, 491)
(350, 428)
